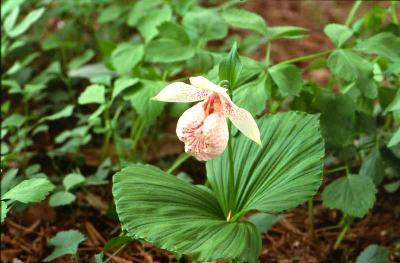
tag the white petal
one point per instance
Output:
(242, 119)
(181, 92)
(203, 83)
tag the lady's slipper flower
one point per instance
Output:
(203, 127)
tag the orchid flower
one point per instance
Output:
(203, 127)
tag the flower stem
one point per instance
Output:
(341, 236)
(353, 11)
(181, 158)
(232, 194)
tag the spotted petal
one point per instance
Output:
(203, 83)
(181, 92)
(242, 119)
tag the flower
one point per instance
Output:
(203, 127)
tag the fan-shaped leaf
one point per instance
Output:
(180, 217)
(285, 171)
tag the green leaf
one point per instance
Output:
(29, 191)
(288, 78)
(252, 96)
(10, 20)
(94, 93)
(174, 31)
(4, 211)
(61, 198)
(373, 166)
(142, 9)
(394, 104)
(395, 140)
(284, 172)
(111, 13)
(31, 18)
(140, 100)
(205, 24)
(383, 44)
(289, 32)
(339, 34)
(121, 84)
(64, 243)
(180, 217)
(72, 180)
(392, 187)
(241, 18)
(14, 120)
(64, 113)
(149, 23)
(230, 67)
(373, 254)
(167, 51)
(8, 180)
(263, 221)
(126, 56)
(81, 60)
(354, 195)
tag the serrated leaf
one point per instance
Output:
(205, 24)
(180, 217)
(126, 56)
(339, 34)
(61, 198)
(288, 78)
(168, 50)
(384, 44)
(29, 191)
(94, 93)
(28, 20)
(373, 166)
(241, 18)
(140, 100)
(352, 194)
(72, 180)
(64, 243)
(252, 96)
(373, 254)
(282, 173)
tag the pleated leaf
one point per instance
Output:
(282, 173)
(180, 217)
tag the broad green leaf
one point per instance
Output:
(148, 24)
(81, 60)
(29, 191)
(126, 56)
(10, 20)
(205, 24)
(140, 100)
(338, 117)
(351, 67)
(4, 211)
(170, 30)
(373, 254)
(61, 198)
(395, 140)
(282, 173)
(354, 195)
(252, 96)
(94, 93)
(168, 50)
(230, 67)
(339, 34)
(72, 180)
(180, 217)
(88, 71)
(104, 79)
(14, 120)
(263, 221)
(392, 187)
(111, 13)
(64, 113)
(241, 18)
(141, 9)
(121, 84)
(288, 78)
(64, 243)
(373, 166)
(8, 180)
(383, 44)
(289, 32)
(28, 20)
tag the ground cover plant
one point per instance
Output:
(165, 131)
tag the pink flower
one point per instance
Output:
(203, 127)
